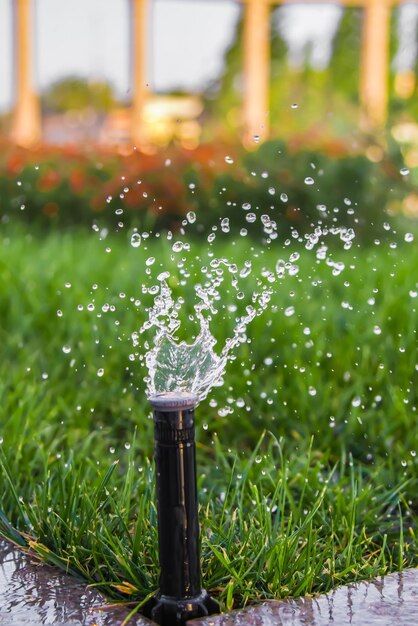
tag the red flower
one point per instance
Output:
(49, 180)
(77, 180)
(15, 164)
(50, 209)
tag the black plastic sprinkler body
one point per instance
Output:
(180, 597)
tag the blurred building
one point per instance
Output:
(155, 119)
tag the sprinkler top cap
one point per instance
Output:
(173, 401)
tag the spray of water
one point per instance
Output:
(197, 367)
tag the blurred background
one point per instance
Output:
(156, 75)
(154, 71)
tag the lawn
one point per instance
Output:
(306, 455)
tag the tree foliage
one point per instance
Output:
(74, 93)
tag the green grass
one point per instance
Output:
(308, 480)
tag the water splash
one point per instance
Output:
(192, 367)
(184, 367)
(197, 367)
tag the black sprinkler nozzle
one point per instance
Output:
(180, 597)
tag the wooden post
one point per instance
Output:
(256, 69)
(375, 59)
(26, 128)
(139, 67)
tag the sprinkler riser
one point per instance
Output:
(180, 597)
(178, 526)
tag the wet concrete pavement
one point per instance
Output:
(32, 594)
(388, 601)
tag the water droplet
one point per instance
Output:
(66, 349)
(377, 330)
(404, 171)
(289, 311)
(127, 445)
(294, 106)
(191, 217)
(258, 459)
(409, 237)
(251, 217)
(309, 181)
(225, 225)
(356, 401)
(312, 391)
(280, 268)
(100, 372)
(150, 261)
(59, 313)
(177, 246)
(284, 197)
(246, 206)
(272, 191)
(229, 159)
(136, 240)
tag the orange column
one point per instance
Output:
(140, 27)
(375, 59)
(256, 69)
(26, 130)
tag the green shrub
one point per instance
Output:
(295, 187)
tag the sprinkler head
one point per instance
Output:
(170, 401)
(180, 597)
